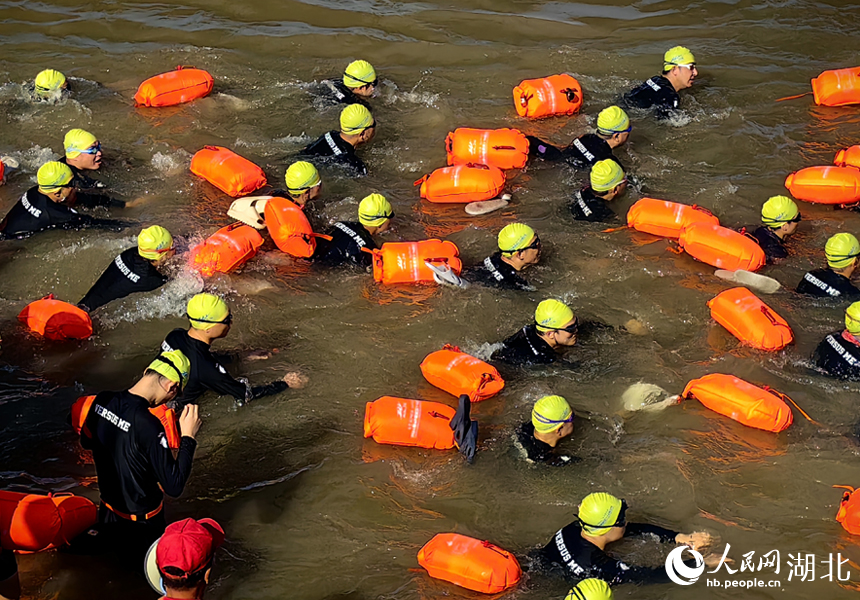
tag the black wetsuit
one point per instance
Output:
(337, 90)
(825, 283)
(36, 212)
(129, 273)
(582, 152)
(331, 145)
(580, 559)
(495, 272)
(586, 206)
(656, 93)
(538, 451)
(839, 356)
(80, 180)
(772, 244)
(526, 347)
(347, 240)
(208, 374)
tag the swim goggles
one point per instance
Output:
(373, 83)
(571, 329)
(94, 149)
(170, 364)
(227, 321)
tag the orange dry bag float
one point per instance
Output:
(848, 157)
(462, 183)
(56, 320)
(838, 87)
(721, 247)
(666, 219)
(227, 171)
(849, 510)
(226, 249)
(32, 523)
(825, 185)
(174, 87)
(167, 416)
(553, 95)
(458, 373)
(404, 422)
(289, 227)
(744, 402)
(470, 563)
(750, 320)
(502, 148)
(403, 262)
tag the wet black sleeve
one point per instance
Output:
(214, 377)
(276, 387)
(172, 473)
(665, 535)
(540, 149)
(93, 200)
(354, 163)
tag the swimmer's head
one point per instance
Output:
(206, 311)
(520, 245)
(155, 243)
(355, 119)
(54, 179)
(778, 211)
(613, 125)
(303, 182)
(852, 319)
(49, 82)
(599, 512)
(607, 178)
(590, 589)
(842, 251)
(173, 365)
(552, 314)
(83, 149)
(679, 67)
(552, 413)
(360, 77)
(375, 211)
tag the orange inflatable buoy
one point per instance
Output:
(750, 320)
(849, 510)
(462, 183)
(839, 87)
(174, 87)
(666, 219)
(167, 416)
(227, 249)
(848, 157)
(32, 522)
(404, 422)
(502, 148)
(825, 185)
(470, 563)
(403, 262)
(721, 247)
(549, 96)
(56, 320)
(227, 171)
(750, 405)
(459, 373)
(289, 227)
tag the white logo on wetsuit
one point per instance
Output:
(337, 151)
(821, 285)
(585, 210)
(581, 147)
(165, 347)
(653, 85)
(220, 368)
(842, 352)
(162, 439)
(337, 93)
(29, 207)
(125, 270)
(112, 418)
(493, 270)
(355, 237)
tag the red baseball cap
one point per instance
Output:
(188, 546)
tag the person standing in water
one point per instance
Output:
(838, 354)
(608, 181)
(660, 93)
(551, 422)
(357, 127)
(780, 218)
(841, 251)
(350, 241)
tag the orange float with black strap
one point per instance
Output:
(459, 373)
(838, 87)
(56, 320)
(405, 422)
(289, 227)
(548, 96)
(174, 87)
(666, 219)
(849, 510)
(470, 563)
(462, 184)
(32, 522)
(721, 247)
(227, 171)
(750, 405)
(848, 157)
(82, 406)
(750, 320)
(403, 262)
(825, 185)
(227, 249)
(502, 148)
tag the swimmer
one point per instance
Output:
(661, 91)
(607, 183)
(179, 564)
(350, 239)
(210, 320)
(359, 82)
(551, 422)
(590, 589)
(613, 129)
(579, 548)
(780, 217)
(47, 206)
(135, 270)
(357, 127)
(554, 329)
(519, 248)
(50, 85)
(838, 354)
(303, 183)
(841, 252)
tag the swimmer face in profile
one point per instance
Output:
(556, 324)
(360, 77)
(520, 245)
(303, 182)
(679, 67)
(83, 150)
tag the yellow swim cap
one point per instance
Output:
(359, 73)
(550, 413)
(205, 311)
(301, 176)
(153, 242)
(49, 81)
(78, 140)
(778, 211)
(841, 250)
(514, 237)
(354, 119)
(599, 512)
(612, 120)
(852, 318)
(174, 365)
(605, 175)
(374, 210)
(552, 314)
(53, 175)
(590, 589)
(678, 57)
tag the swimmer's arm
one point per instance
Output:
(665, 535)
(269, 389)
(172, 472)
(94, 200)
(540, 149)
(616, 572)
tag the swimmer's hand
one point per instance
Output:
(189, 421)
(296, 380)
(695, 540)
(258, 355)
(137, 201)
(445, 275)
